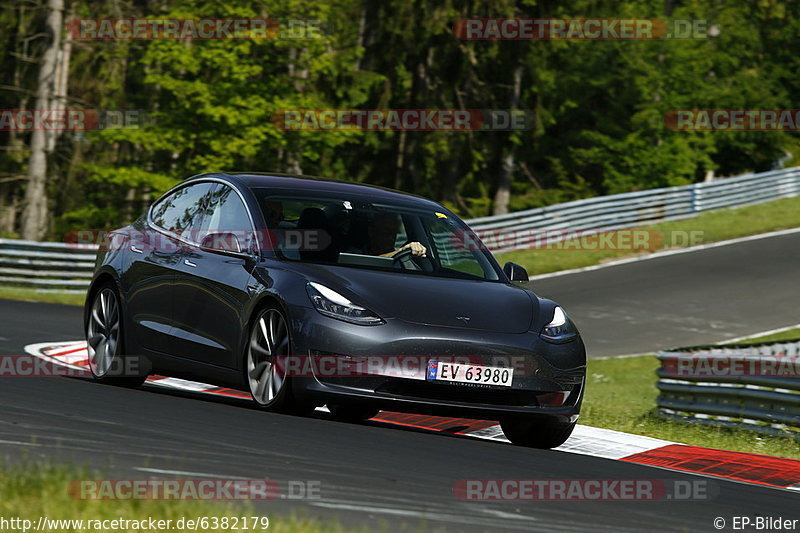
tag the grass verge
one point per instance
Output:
(31, 490)
(621, 394)
(34, 295)
(709, 227)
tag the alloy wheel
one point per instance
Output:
(103, 332)
(269, 344)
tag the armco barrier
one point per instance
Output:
(46, 265)
(58, 266)
(507, 232)
(753, 386)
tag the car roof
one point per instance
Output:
(254, 180)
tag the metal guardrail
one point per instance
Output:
(62, 267)
(754, 386)
(523, 229)
(52, 266)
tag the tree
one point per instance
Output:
(34, 220)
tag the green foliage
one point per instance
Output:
(598, 106)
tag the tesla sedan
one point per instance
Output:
(308, 292)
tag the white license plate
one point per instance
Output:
(476, 374)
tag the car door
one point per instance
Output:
(155, 247)
(211, 289)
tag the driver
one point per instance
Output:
(382, 233)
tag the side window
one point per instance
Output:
(454, 255)
(227, 213)
(182, 211)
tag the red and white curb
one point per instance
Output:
(752, 468)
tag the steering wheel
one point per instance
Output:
(405, 258)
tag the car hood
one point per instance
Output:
(420, 299)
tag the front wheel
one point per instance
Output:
(537, 432)
(104, 338)
(267, 355)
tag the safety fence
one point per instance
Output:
(753, 386)
(49, 266)
(64, 267)
(524, 229)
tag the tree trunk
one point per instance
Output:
(34, 220)
(503, 194)
(61, 85)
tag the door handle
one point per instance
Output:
(135, 249)
(189, 263)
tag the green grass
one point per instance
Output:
(789, 334)
(33, 295)
(31, 490)
(709, 227)
(621, 394)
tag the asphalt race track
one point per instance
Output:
(366, 473)
(373, 473)
(701, 297)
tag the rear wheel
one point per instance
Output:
(352, 413)
(537, 432)
(266, 361)
(105, 341)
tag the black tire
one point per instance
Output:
(264, 370)
(352, 413)
(105, 338)
(542, 433)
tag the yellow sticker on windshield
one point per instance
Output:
(441, 215)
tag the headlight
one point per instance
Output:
(560, 329)
(331, 303)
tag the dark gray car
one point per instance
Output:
(308, 292)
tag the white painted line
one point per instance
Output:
(181, 384)
(37, 350)
(720, 343)
(503, 514)
(18, 443)
(760, 334)
(431, 515)
(609, 444)
(626, 356)
(665, 253)
(588, 440)
(188, 474)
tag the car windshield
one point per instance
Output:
(357, 232)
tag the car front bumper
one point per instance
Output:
(385, 367)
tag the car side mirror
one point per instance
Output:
(223, 241)
(515, 272)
